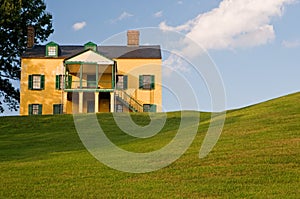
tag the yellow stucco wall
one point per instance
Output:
(47, 97)
(50, 67)
(135, 67)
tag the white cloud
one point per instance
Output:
(174, 63)
(79, 25)
(123, 16)
(158, 14)
(234, 24)
(291, 44)
(179, 2)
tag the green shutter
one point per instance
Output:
(125, 82)
(141, 81)
(42, 81)
(57, 109)
(30, 109)
(57, 82)
(61, 109)
(30, 82)
(152, 82)
(152, 108)
(69, 86)
(40, 109)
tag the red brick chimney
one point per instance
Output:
(133, 38)
(30, 36)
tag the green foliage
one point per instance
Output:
(15, 17)
(257, 156)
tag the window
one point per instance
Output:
(57, 109)
(146, 82)
(149, 108)
(35, 109)
(90, 45)
(91, 81)
(52, 51)
(36, 82)
(68, 84)
(119, 108)
(59, 83)
(146, 108)
(122, 82)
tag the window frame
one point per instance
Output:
(152, 108)
(59, 82)
(52, 49)
(147, 85)
(60, 108)
(36, 82)
(124, 82)
(32, 108)
(32, 82)
(146, 109)
(117, 108)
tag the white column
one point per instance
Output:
(80, 102)
(112, 102)
(96, 102)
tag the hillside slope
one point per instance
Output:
(257, 156)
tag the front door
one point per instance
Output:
(104, 105)
(91, 107)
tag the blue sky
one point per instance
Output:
(254, 44)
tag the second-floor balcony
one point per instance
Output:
(90, 71)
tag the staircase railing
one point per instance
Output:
(129, 101)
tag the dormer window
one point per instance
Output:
(90, 45)
(51, 49)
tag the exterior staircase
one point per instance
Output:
(128, 101)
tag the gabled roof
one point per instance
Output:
(111, 52)
(129, 52)
(90, 56)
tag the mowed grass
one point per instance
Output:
(257, 156)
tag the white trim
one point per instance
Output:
(91, 57)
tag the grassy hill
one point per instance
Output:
(257, 156)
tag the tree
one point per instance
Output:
(15, 17)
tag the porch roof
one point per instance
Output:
(89, 57)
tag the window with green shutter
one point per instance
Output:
(149, 108)
(59, 82)
(147, 82)
(36, 82)
(68, 83)
(122, 82)
(52, 49)
(119, 108)
(35, 109)
(57, 109)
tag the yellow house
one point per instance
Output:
(57, 79)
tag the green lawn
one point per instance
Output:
(257, 156)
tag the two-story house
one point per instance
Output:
(57, 79)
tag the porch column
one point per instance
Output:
(80, 102)
(96, 102)
(112, 102)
